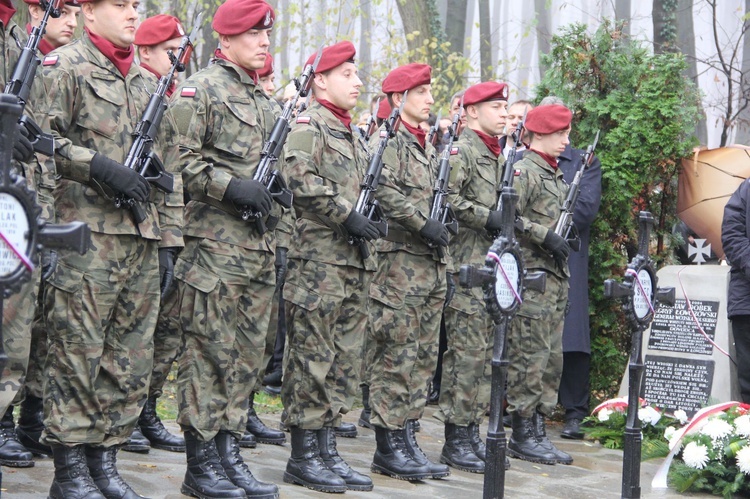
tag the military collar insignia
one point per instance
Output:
(303, 119)
(50, 60)
(188, 92)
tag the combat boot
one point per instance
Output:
(31, 425)
(137, 442)
(72, 479)
(477, 444)
(364, 416)
(205, 477)
(248, 441)
(305, 466)
(102, 463)
(346, 430)
(458, 452)
(238, 472)
(153, 429)
(393, 459)
(437, 470)
(330, 455)
(257, 428)
(12, 452)
(540, 431)
(523, 443)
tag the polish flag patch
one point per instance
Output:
(188, 92)
(383, 133)
(50, 60)
(517, 173)
(454, 151)
(303, 119)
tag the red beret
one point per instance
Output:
(334, 55)
(486, 91)
(157, 29)
(267, 67)
(405, 78)
(234, 17)
(548, 119)
(384, 110)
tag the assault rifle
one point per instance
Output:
(269, 155)
(507, 180)
(371, 124)
(23, 77)
(441, 209)
(367, 205)
(565, 224)
(140, 157)
(432, 134)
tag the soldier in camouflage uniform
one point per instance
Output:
(225, 274)
(104, 304)
(535, 338)
(476, 173)
(409, 287)
(327, 278)
(19, 308)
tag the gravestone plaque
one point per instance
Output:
(683, 369)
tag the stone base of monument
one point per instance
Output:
(683, 369)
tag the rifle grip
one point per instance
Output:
(139, 214)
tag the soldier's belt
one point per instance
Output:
(400, 236)
(326, 221)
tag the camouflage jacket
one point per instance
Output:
(325, 163)
(541, 194)
(405, 192)
(90, 107)
(223, 120)
(475, 175)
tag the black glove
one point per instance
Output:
(280, 265)
(49, 263)
(250, 193)
(558, 246)
(494, 221)
(435, 232)
(359, 225)
(23, 150)
(167, 257)
(451, 288)
(119, 177)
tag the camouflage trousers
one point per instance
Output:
(273, 330)
(225, 294)
(326, 317)
(167, 342)
(103, 311)
(406, 302)
(18, 312)
(465, 384)
(35, 373)
(535, 350)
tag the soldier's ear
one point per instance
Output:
(320, 81)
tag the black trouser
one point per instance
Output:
(741, 332)
(574, 384)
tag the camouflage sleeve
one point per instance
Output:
(170, 206)
(392, 193)
(527, 185)
(194, 123)
(72, 161)
(41, 167)
(468, 211)
(313, 191)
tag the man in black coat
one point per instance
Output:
(735, 238)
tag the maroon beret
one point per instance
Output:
(485, 91)
(333, 55)
(267, 67)
(234, 17)
(157, 29)
(405, 78)
(384, 110)
(548, 119)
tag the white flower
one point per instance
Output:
(649, 415)
(695, 455)
(604, 414)
(743, 460)
(669, 433)
(717, 429)
(742, 424)
(681, 416)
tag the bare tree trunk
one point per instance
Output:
(623, 13)
(282, 69)
(526, 53)
(415, 16)
(455, 24)
(543, 30)
(365, 41)
(487, 65)
(686, 45)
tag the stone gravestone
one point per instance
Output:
(683, 370)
